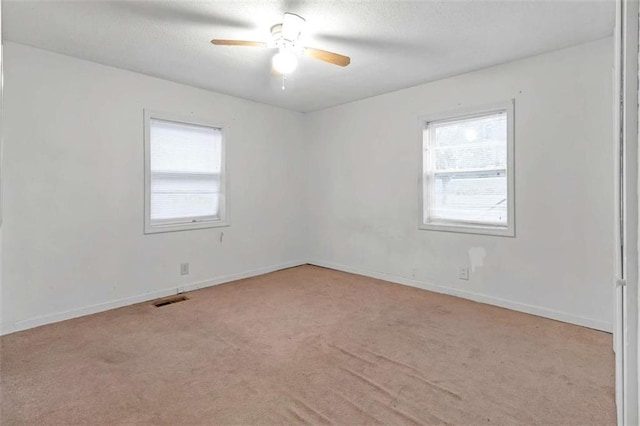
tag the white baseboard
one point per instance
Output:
(93, 309)
(504, 303)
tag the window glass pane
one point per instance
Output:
(475, 143)
(181, 195)
(471, 197)
(185, 170)
(183, 205)
(466, 165)
(182, 147)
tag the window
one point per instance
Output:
(184, 174)
(467, 171)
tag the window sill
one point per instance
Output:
(470, 229)
(175, 227)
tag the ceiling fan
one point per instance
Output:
(285, 37)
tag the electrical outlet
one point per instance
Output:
(184, 269)
(463, 273)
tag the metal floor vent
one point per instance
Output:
(164, 302)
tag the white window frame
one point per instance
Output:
(171, 226)
(461, 226)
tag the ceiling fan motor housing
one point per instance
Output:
(278, 41)
(287, 34)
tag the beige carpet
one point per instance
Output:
(308, 345)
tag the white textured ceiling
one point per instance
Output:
(392, 44)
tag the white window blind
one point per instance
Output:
(466, 171)
(185, 169)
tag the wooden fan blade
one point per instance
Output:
(323, 55)
(238, 43)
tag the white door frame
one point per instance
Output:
(626, 207)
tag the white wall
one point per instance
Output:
(338, 187)
(73, 238)
(364, 180)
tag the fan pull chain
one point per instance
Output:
(283, 79)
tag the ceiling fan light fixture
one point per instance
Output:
(287, 37)
(284, 62)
